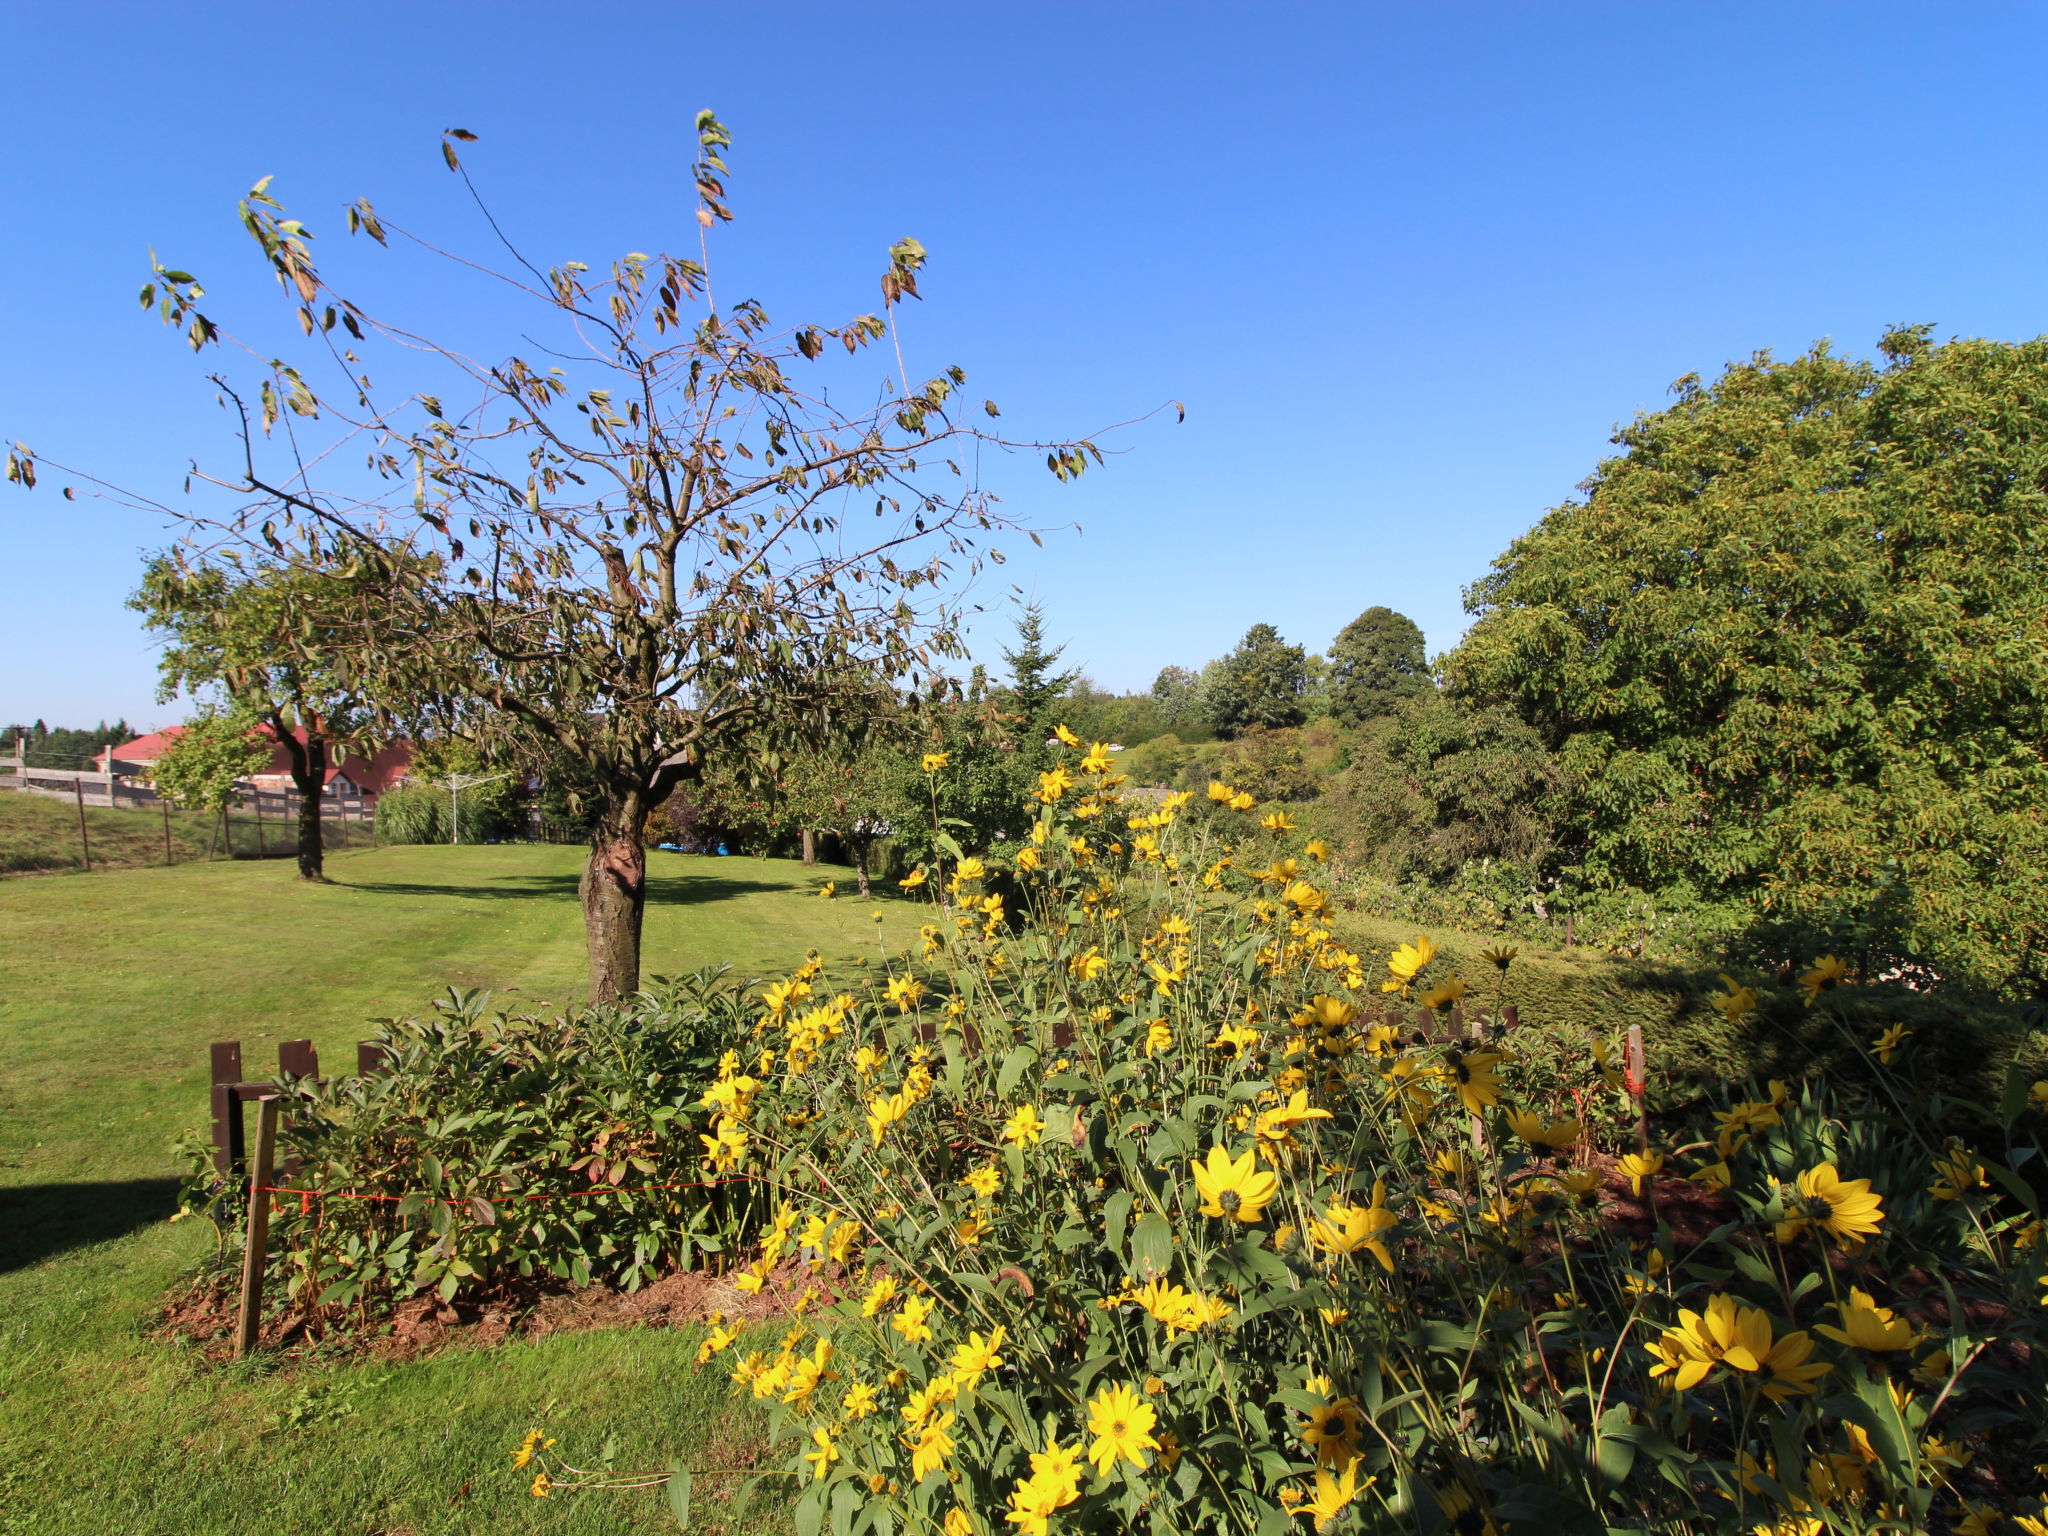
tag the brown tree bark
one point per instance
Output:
(309, 778)
(614, 893)
(810, 839)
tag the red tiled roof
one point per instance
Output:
(375, 774)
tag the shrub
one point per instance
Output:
(1139, 1220)
(474, 1158)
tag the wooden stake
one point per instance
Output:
(1638, 1085)
(258, 1241)
(262, 852)
(167, 830)
(84, 842)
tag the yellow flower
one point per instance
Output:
(1024, 1127)
(828, 888)
(859, 1401)
(1316, 849)
(1238, 1189)
(968, 869)
(1638, 1166)
(826, 1453)
(879, 1295)
(534, 1444)
(1844, 1207)
(1164, 977)
(1242, 800)
(1472, 1079)
(725, 1147)
(1027, 859)
(1956, 1174)
(1735, 1001)
(1277, 821)
(914, 879)
(977, 1356)
(928, 1452)
(1407, 959)
(1052, 784)
(1065, 736)
(541, 1484)
(1220, 792)
(1344, 1229)
(1121, 1423)
(1866, 1325)
(904, 991)
(885, 1110)
(984, 1181)
(934, 761)
(1538, 1132)
(1827, 972)
(1444, 994)
(911, 1321)
(714, 1341)
(1097, 759)
(958, 1522)
(1883, 1046)
(1332, 1494)
(1159, 1037)
(780, 995)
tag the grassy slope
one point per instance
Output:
(110, 988)
(39, 834)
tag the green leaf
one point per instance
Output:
(1152, 1247)
(1116, 1220)
(809, 1514)
(1022, 1059)
(679, 1494)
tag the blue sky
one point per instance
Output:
(1406, 264)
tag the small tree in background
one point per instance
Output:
(1376, 661)
(1035, 688)
(1264, 682)
(214, 751)
(650, 532)
(279, 641)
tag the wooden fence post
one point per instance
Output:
(167, 830)
(1638, 1084)
(84, 842)
(227, 1109)
(262, 851)
(257, 1242)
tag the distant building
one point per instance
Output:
(351, 777)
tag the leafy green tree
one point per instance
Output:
(1036, 689)
(216, 749)
(278, 640)
(1174, 690)
(653, 525)
(1789, 650)
(1264, 682)
(1376, 661)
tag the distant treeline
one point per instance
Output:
(63, 746)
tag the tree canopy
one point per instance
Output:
(1376, 661)
(1789, 651)
(1264, 682)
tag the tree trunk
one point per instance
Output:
(860, 864)
(614, 892)
(810, 847)
(309, 777)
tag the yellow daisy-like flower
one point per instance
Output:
(911, 1321)
(1444, 995)
(1243, 800)
(1052, 784)
(1866, 1325)
(1023, 1128)
(914, 879)
(928, 1452)
(1539, 1132)
(1407, 959)
(957, 1522)
(1316, 849)
(1888, 1042)
(904, 992)
(934, 761)
(1097, 759)
(1332, 1494)
(1065, 737)
(1345, 1229)
(1735, 1001)
(1472, 1079)
(1638, 1166)
(978, 1356)
(1234, 1189)
(1220, 792)
(1846, 1208)
(1828, 972)
(824, 1454)
(828, 888)
(859, 1402)
(1120, 1423)
(1277, 821)
(879, 1295)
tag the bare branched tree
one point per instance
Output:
(627, 543)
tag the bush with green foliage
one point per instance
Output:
(1787, 651)
(496, 1148)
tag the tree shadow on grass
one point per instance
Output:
(662, 889)
(39, 1221)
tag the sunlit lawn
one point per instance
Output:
(111, 986)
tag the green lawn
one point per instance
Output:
(111, 986)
